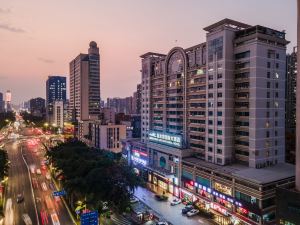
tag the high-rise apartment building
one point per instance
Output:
(85, 84)
(136, 100)
(121, 105)
(56, 90)
(58, 113)
(290, 106)
(1, 102)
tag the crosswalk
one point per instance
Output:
(119, 220)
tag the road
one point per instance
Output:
(170, 213)
(38, 202)
(18, 183)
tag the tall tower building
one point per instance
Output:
(8, 107)
(85, 84)
(56, 90)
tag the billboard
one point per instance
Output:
(164, 138)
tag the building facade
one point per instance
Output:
(85, 85)
(1, 103)
(290, 106)
(217, 109)
(58, 113)
(37, 107)
(8, 106)
(56, 90)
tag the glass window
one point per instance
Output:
(219, 132)
(220, 113)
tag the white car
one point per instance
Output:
(26, 219)
(193, 212)
(162, 223)
(133, 200)
(38, 172)
(175, 201)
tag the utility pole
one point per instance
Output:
(298, 102)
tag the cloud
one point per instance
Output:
(9, 28)
(45, 60)
(2, 10)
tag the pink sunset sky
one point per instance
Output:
(40, 38)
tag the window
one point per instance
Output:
(219, 142)
(268, 84)
(210, 113)
(242, 55)
(219, 123)
(276, 133)
(209, 158)
(276, 114)
(268, 94)
(210, 140)
(210, 95)
(210, 149)
(219, 75)
(219, 151)
(220, 85)
(210, 131)
(276, 94)
(276, 123)
(268, 104)
(210, 77)
(276, 142)
(277, 65)
(268, 74)
(210, 122)
(219, 132)
(220, 94)
(268, 134)
(220, 104)
(276, 85)
(277, 56)
(220, 113)
(269, 65)
(210, 86)
(268, 114)
(219, 161)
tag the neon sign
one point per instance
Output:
(139, 160)
(163, 138)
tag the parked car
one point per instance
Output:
(162, 223)
(161, 197)
(193, 212)
(20, 198)
(175, 201)
(133, 200)
(186, 209)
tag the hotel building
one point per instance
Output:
(213, 121)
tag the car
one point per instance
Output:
(38, 172)
(26, 219)
(186, 209)
(193, 212)
(162, 223)
(48, 176)
(44, 186)
(20, 198)
(175, 201)
(161, 197)
(133, 200)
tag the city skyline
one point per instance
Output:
(52, 44)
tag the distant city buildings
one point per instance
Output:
(1, 103)
(56, 90)
(58, 114)
(290, 106)
(38, 107)
(85, 85)
(213, 129)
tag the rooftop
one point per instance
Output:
(259, 176)
(227, 22)
(153, 54)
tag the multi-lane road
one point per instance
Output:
(27, 177)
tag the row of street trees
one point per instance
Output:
(93, 176)
(6, 117)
